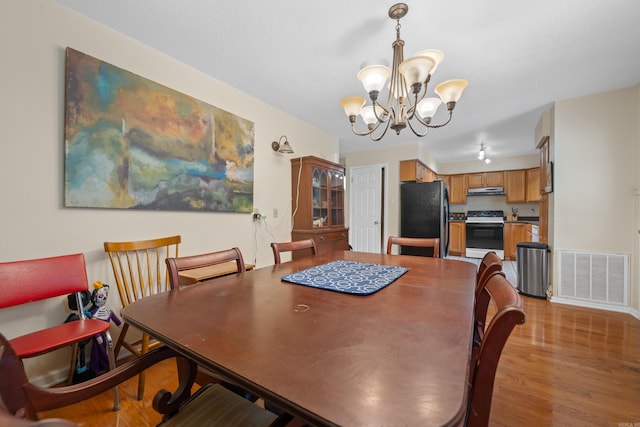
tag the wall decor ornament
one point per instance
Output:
(131, 143)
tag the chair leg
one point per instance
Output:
(74, 360)
(123, 333)
(141, 377)
(112, 365)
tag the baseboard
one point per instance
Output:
(590, 304)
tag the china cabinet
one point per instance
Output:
(317, 201)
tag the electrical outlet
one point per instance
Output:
(257, 216)
(275, 212)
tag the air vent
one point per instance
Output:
(593, 277)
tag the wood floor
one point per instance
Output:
(566, 366)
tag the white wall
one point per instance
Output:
(34, 222)
(595, 154)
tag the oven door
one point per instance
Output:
(483, 237)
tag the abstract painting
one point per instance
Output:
(131, 143)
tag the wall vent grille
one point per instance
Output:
(594, 277)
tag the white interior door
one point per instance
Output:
(366, 208)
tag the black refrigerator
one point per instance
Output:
(424, 212)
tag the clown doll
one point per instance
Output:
(99, 360)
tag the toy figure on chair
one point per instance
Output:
(99, 361)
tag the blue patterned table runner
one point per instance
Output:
(351, 277)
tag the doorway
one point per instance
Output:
(367, 203)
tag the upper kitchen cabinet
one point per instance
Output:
(415, 171)
(533, 184)
(458, 189)
(515, 185)
(318, 203)
(485, 179)
(522, 185)
(446, 179)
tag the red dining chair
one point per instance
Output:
(308, 245)
(415, 242)
(27, 281)
(486, 352)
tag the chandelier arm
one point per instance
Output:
(369, 132)
(376, 139)
(384, 110)
(438, 125)
(411, 111)
(415, 132)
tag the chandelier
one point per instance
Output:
(406, 103)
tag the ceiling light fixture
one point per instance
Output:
(282, 147)
(406, 102)
(482, 154)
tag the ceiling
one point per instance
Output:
(302, 57)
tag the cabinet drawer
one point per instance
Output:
(328, 237)
(320, 236)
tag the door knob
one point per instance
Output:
(378, 223)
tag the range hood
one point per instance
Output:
(486, 191)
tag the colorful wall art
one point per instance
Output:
(131, 143)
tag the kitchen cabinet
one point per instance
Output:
(544, 195)
(446, 180)
(458, 189)
(415, 171)
(457, 238)
(532, 178)
(514, 233)
(485, 179)
(543, 231)
(318, 203)
(515, 185)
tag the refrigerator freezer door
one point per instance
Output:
(424, 212)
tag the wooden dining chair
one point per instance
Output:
(415, 242)
(140, 271)
(490, 263)
(486, 353)
(176, 265)
(211, 405)
(308, 245)
(27, 281)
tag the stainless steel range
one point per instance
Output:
(485, 233)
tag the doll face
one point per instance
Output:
(100, 296)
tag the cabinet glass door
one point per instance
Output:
(337, 198)
(320, 197)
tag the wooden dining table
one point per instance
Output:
(397, 357)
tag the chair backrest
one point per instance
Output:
(485, 357)
(37, 279)
(416, 242)
(139, 267)
(490, 263)
(296, 245)
(176, 265)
